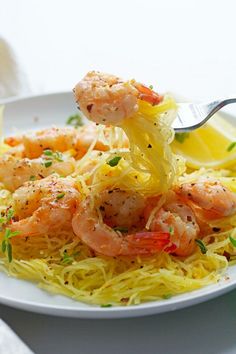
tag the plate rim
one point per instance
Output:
(12, 99)
(194, 297)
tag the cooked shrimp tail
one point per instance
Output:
(105, 240)
(147, 94)
(177, 218)
(150, 241)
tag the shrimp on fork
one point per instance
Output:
(107, 99)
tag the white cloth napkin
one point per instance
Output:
(10, 343)
(12, 79)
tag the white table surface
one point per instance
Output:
(207, 328)
(185, 46)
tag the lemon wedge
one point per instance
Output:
(210, 146)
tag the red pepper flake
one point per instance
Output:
(227, 255)
(89, 107)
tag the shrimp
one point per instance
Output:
(14, 171)
(13, 140)
(210, 199)
(107, 99)
(179, 219)
(16, 151)
(32, 145)
(45, 206)
(176, 219)
(85, 137)
(189, 209)
(121, 208)
(55, 139)
(112, 241)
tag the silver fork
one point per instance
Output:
(191, 116)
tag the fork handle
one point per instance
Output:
(215, 106)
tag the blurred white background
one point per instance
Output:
(186, 46)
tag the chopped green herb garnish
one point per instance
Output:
(106, 305)
(233, 241)
(231, 146)
(58, 156)
(32, 178)
(9, 214)
(171, 230)
(114, 162)
(48, 164)
(2, 220)
(151, 87)
(201, 245)
(67, 259)
(60, 195)
(6, 245)
(120, 228)
(75, 120)
(180, 137)
(48, 152)
(9, 251)
(167, 296)
(9, 234)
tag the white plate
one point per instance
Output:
(40, 111)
